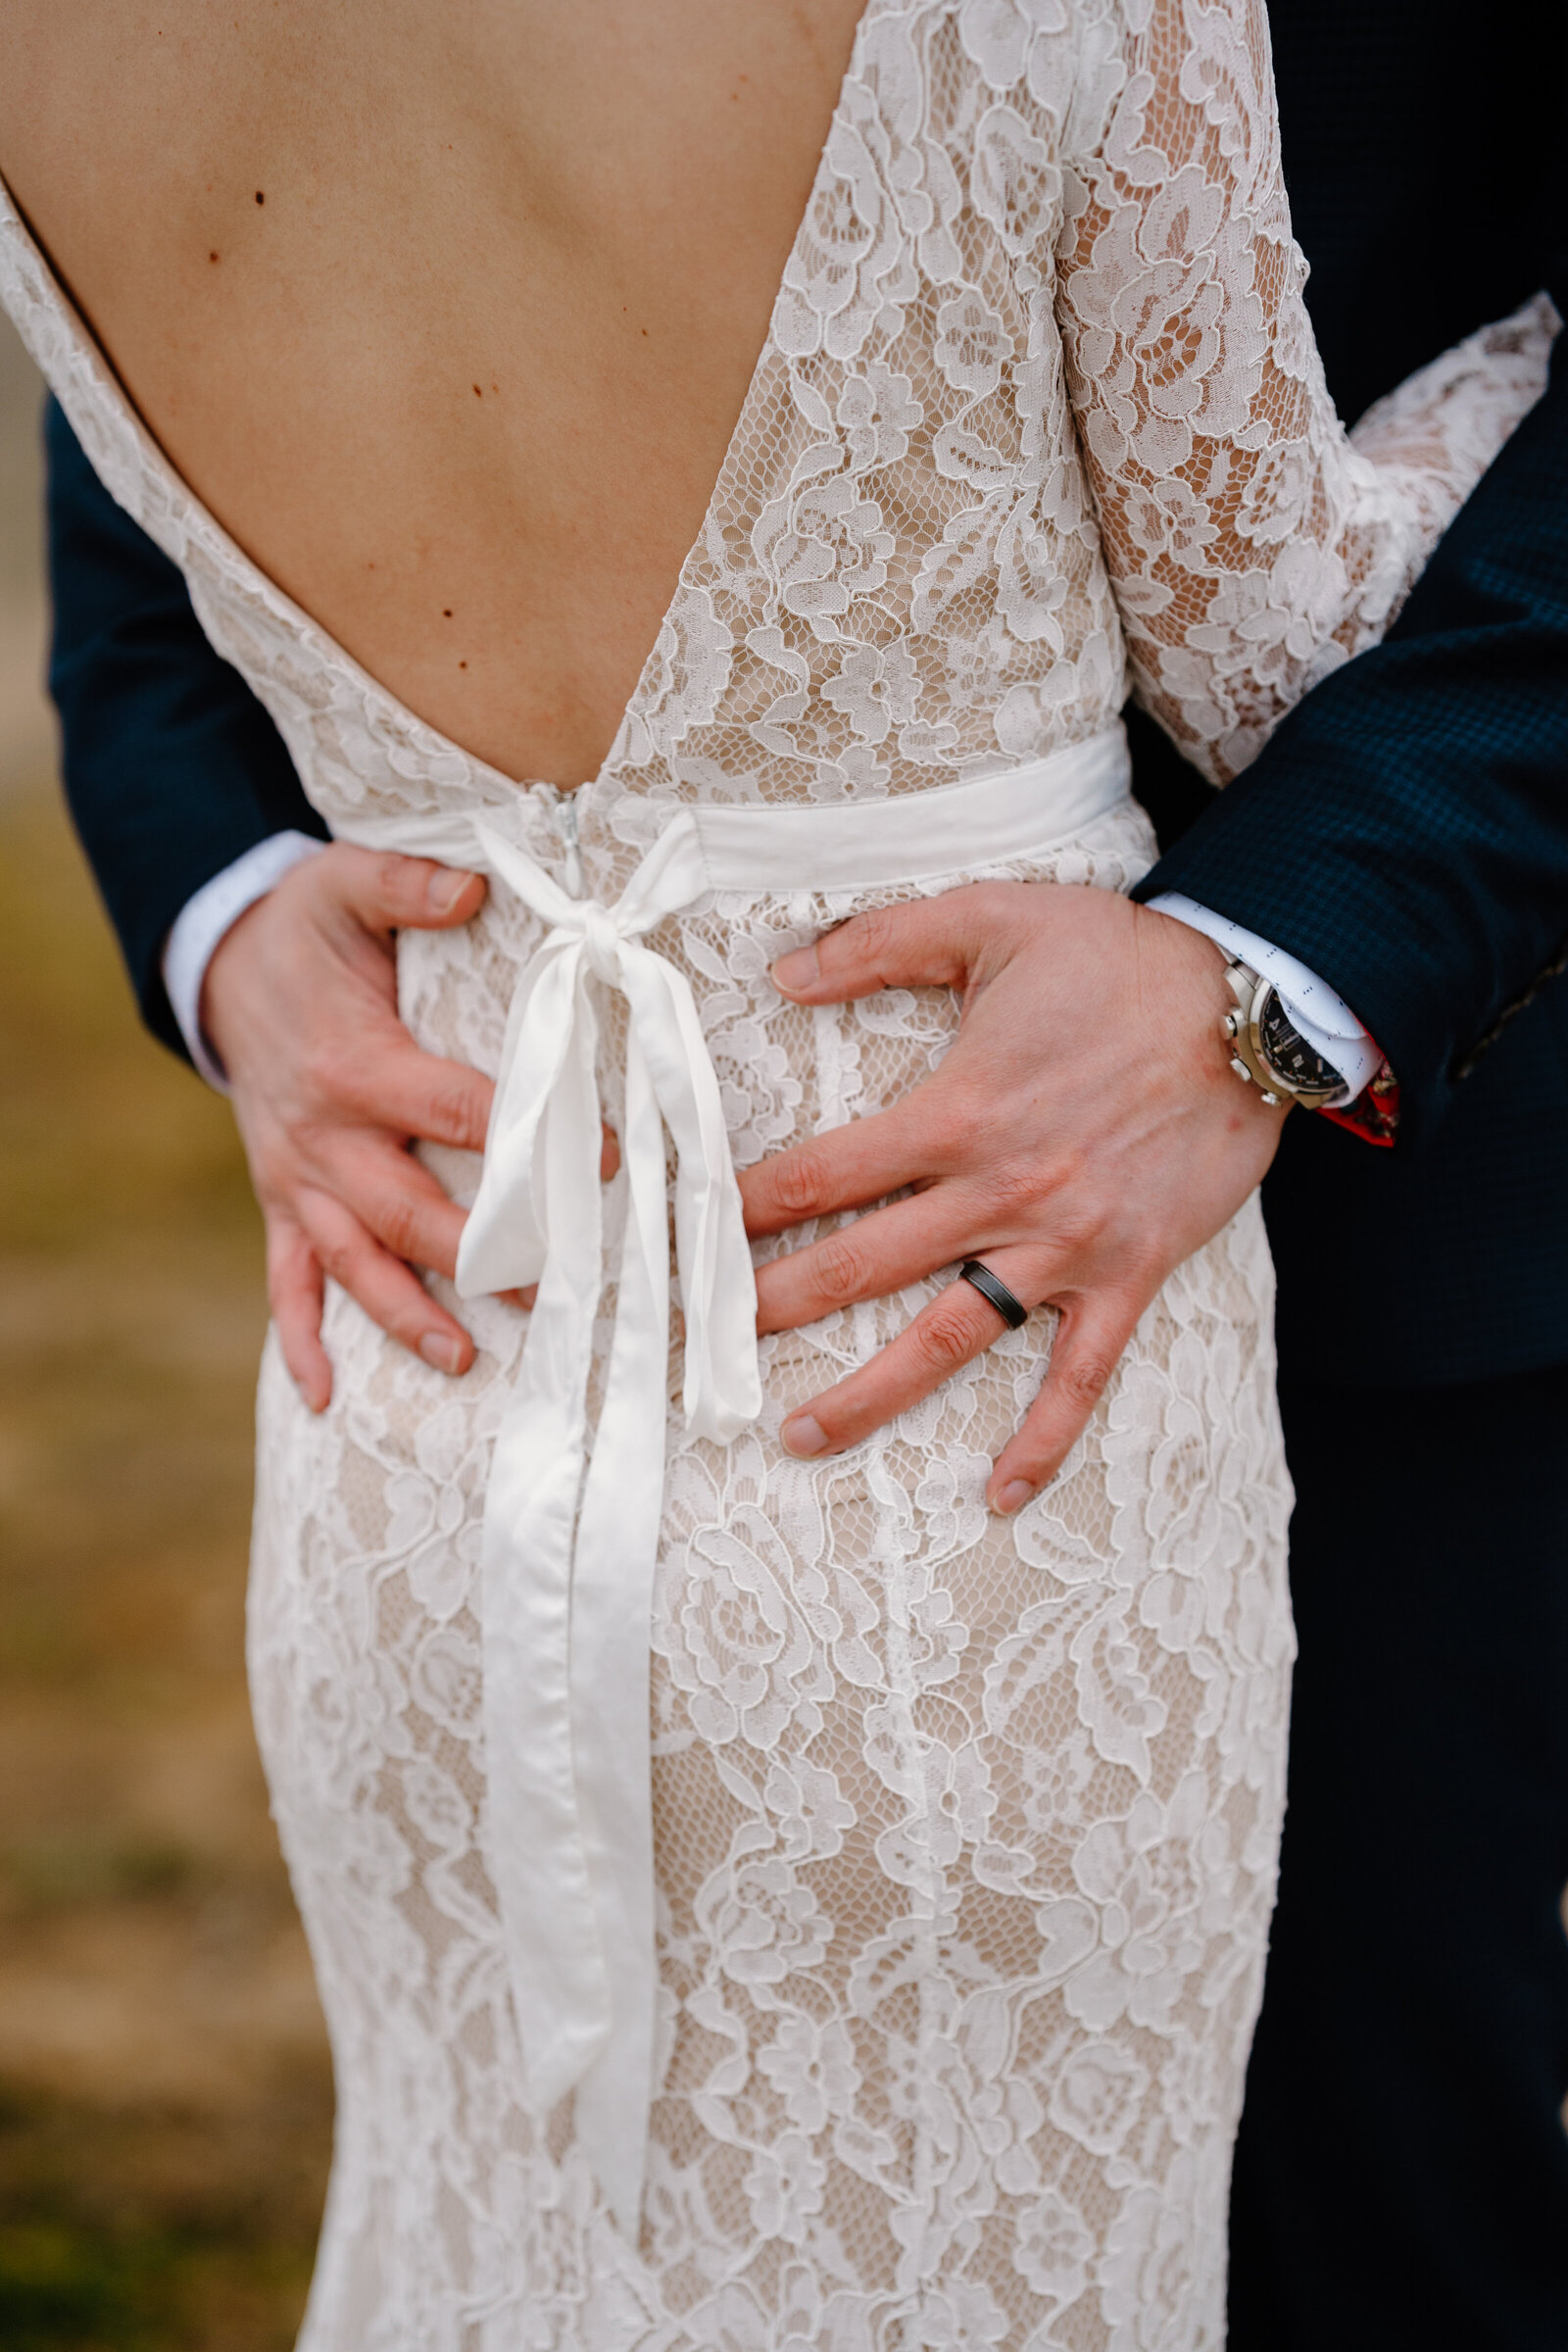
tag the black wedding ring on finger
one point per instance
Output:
(991, 1287)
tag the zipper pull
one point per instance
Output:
(566, 827)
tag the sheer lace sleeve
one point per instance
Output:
(1253, 543)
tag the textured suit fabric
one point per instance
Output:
(1401, 2175)
(1407, 835)
(1406, 832)
(1416, 806)
(173, 769)
(1420, 141)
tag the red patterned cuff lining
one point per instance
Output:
(1374, 1115)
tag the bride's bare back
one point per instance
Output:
(447, 312)
(916, 1766)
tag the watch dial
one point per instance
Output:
(1287, 1051)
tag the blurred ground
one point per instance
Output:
(165, 2101)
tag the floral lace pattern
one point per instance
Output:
(965, 1831)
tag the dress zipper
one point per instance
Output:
(566, 827)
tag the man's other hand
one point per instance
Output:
(1083, 1135)
(330, 1090)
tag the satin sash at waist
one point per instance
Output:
(570, 1544)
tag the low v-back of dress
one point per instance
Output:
(963, 1831)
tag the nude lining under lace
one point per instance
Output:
(965, 1832)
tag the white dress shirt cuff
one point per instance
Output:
(207, 918)
(1324, 1020)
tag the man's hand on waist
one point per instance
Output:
(329, 1091)
(1084, 1133)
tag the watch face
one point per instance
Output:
(1288, 1052)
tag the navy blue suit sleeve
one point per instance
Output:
(172, 768)
(1405, 830)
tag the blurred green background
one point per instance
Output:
(165, 2097)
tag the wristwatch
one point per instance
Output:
(1268, 1050)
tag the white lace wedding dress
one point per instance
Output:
(963, 1831)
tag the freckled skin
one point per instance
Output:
(297, 236)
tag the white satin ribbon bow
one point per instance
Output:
(567, 1623)
(570, 1544)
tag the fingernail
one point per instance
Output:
(804, 1437)
(797, 969)
(1013, 1495)
(442, 1353)
(444, 891)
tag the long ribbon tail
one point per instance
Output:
(549, 1921)
(503, 1245)
(567, 1621)
(617, 1548)
(723, 1389)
